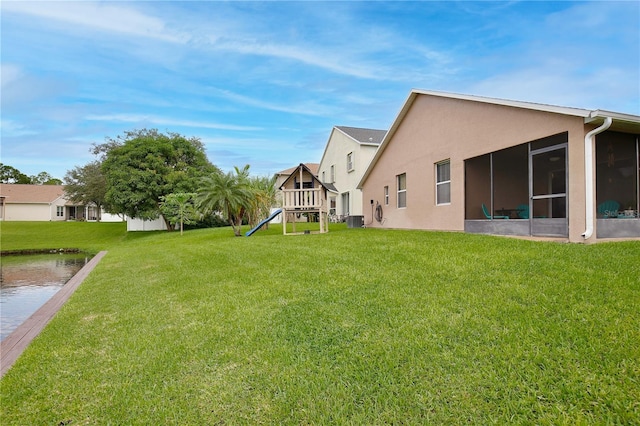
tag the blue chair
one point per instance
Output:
(609, 209)
(523, 211)
(488, 216)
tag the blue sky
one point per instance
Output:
(263, 83)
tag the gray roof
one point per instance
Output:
(367, 136)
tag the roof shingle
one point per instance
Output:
(22, 193)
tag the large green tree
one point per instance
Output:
(142, 166)
(87, 184)
(227, 193)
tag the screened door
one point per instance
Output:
(345, 204)
(548, 191)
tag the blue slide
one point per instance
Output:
(269, 219)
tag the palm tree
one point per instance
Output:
(264, 197)
(227, 193)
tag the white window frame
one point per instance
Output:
(401, 191)
(350, 165)
(386, 195)
(444, 182)
(59, 211)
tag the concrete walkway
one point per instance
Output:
(13, 345)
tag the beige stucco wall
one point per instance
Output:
(438, 128)
(32, 211)
(338, 146)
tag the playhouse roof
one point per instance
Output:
(327, 186)
(313, 168)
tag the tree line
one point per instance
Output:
(10, 174)
(147, 174)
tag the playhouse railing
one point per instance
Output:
(302, 199)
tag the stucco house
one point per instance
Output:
(347, 154)
(37, 203)
(22, 202)
(482, 165)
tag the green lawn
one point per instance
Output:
(357, 326)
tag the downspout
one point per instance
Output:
(588, 175)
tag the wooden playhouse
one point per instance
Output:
(303, 193)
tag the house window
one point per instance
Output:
(402, 190)
(443, 182)
(386, 195)
(60, 211)
(333, 174)
(350, 161)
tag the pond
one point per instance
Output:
(28, 281)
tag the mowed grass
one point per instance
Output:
(89, 236)
(357, 326)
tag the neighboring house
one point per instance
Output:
(483, 165)
(21, 202)
(304, 194)
(346, 156)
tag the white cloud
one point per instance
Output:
(163, 121)
(110, 17)
(10, 128)
(305, 108)
(9, 74)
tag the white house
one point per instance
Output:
(346, 156)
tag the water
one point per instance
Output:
(27, 282)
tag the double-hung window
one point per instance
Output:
(402, 190)
(59, 211)
(386, 195)
(350, 161)
(443, 182)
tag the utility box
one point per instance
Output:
(355, 221)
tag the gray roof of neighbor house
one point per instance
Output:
(364, 136)
(15, 193)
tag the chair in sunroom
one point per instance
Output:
(609, 209)
(488, 216)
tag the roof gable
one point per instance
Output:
(303, 168)
(361, 136)
(313, 168)
(621, 121)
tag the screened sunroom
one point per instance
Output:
(524, 189)
(617, 185)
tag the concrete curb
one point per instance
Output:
(15, 343)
